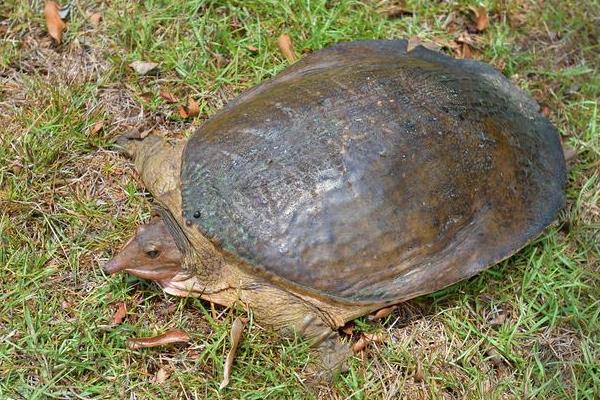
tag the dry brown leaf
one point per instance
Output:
(237, 328)
(220, 60)
(495, 358)
(169, 97)
(365, 339)
(374, 337)
(465, 37)
(382, 313)
(569, 153)
(161, 376)
(95, 19)
(193, 107)
(54, 23)
(480, 17)
(499, 320)
(465, 51)
(360, 344)
(97, 127)
(191, 110)
(394, 11)
(287, 48)
(169, 337)
(235, 23)
(120, 314)
(419, 376)
(143, 67)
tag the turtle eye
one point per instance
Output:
(152, 253)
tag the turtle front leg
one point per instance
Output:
(158, 161)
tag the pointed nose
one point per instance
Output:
(115, 265)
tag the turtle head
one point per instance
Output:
(150, 254)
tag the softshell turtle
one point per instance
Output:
(362, 176)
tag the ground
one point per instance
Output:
(527, 328)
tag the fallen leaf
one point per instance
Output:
(465, 51)
(95, 19)
(235, 23)
(237, 328)
(66, 305)
(360, 344)
(191, 110)
(394, 11)
(143, 67)
(169, 337)
(54, 22)
(220, 60)
(465, 37)
(374, 337)
(97, 127)
(419, 376)
(16, 167)
(287, 48)
(449, 21)
(145, 133)
(161, 376)
(495, 358)
(120, 314)
(169, 97)
(382, 313)
(465, 43)
(498, 319)
(481, 19)
(365, 339)
(569, 153)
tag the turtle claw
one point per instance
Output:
(130, 142)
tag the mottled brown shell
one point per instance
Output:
(369, 174)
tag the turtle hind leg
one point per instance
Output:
(293, 316)
(330, 351)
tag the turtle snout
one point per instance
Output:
(114, 265)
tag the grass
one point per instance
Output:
(527, 328)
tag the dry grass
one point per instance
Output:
(527, 328)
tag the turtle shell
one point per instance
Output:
(367, 173)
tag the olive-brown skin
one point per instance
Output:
(151, 254)
(365, 173)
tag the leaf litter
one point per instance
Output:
(171, 336)
(284, 42)
(143, 67)
(237, 328)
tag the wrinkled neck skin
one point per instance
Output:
(206, 274)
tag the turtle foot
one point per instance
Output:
(132, 142)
